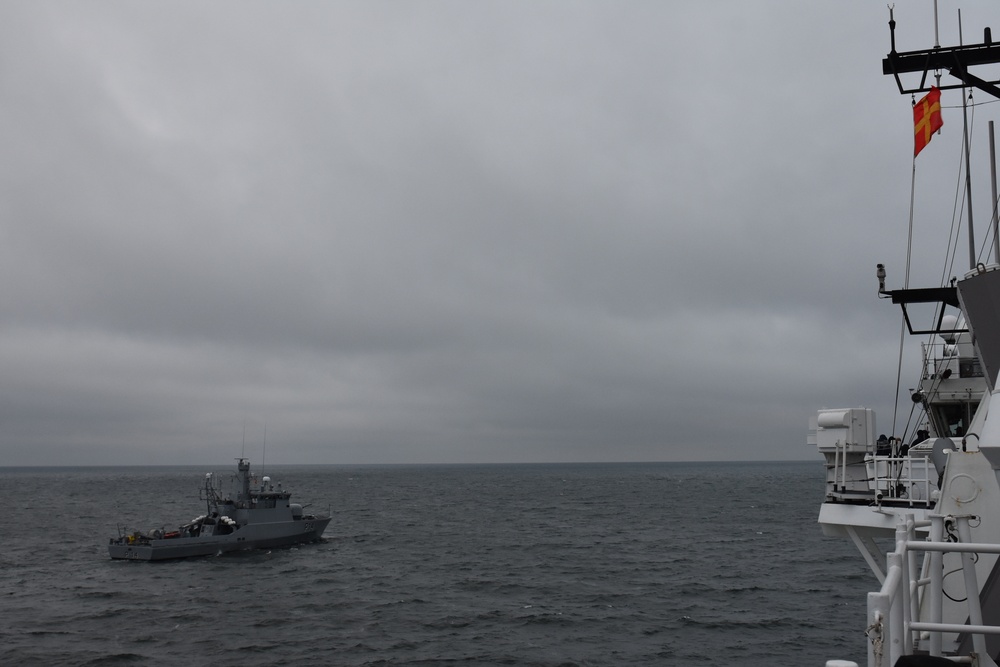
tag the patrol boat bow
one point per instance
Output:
(252, 516)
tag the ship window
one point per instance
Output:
(954, 418)
(969, 368)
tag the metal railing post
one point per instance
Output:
(912, 583)
(894, 564)
(936, 605)
(971, 586)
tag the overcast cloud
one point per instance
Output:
(452, 231)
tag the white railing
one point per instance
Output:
(941, 357)
(894, 623)
(899, 477)
(913, 474)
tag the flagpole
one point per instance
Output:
(937, 39)
(968, 174)
(968, 184)
(993, 186)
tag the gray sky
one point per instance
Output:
(395, 232)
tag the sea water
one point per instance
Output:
(561, 564)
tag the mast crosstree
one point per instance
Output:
(956, 60)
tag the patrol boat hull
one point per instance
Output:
(266, 536)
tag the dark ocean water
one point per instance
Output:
(590, 564)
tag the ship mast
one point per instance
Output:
(957, 61)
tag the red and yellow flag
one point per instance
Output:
(926, 119)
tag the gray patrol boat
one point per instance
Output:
(252, 516)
